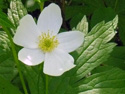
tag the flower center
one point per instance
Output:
(47, 42)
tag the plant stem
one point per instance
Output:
(16, 59)
(46, 84)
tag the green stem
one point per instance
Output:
(16, 59)
(46, 84)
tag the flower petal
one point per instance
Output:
(70, 41)
(50, 19)
(57, 62)
(31, 57)
(27, 33)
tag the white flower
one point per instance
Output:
(42, 42)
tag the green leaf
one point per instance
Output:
(111, 81)
(121, 26)
(95, 49)
(92, 53)
(7, 88)
(75, 20)
(73, 10)
(16, 11)
(83, 26)
(101, 14)
(117, 5)
(117, 58)
(4, 41)
(4, 21)
(94, 3)
(7, 65)
(35, 79)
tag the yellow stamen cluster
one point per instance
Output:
(47, 42)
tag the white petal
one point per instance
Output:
(50, 19)
(31, 57)
(57, 62)
(70, 41)
(27, 33)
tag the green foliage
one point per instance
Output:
(16, 11)
(94, 52)
(101, 14)
(96, 71)
(117, 58)
(35, 79)
(106, 82)
(122, 28)
(4, 21)
(7, 88)
(4, 41)
(83, 26)
(95, 48)
(32, 5)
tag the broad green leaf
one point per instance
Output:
(7, 88)
(16, 11)
(7, 65)
(111, 81)
(73, 10)
(117, 5)
(121, 26)
(117, 58)
(94, 3)
(75, 20)
(101, 14)
(35, 79)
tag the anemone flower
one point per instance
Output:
(42, 42)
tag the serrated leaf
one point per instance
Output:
(94, 52)
(16, 11)
(83, 26)
(4, 41)
(106, 82)
(7, 88)
(95, 49)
